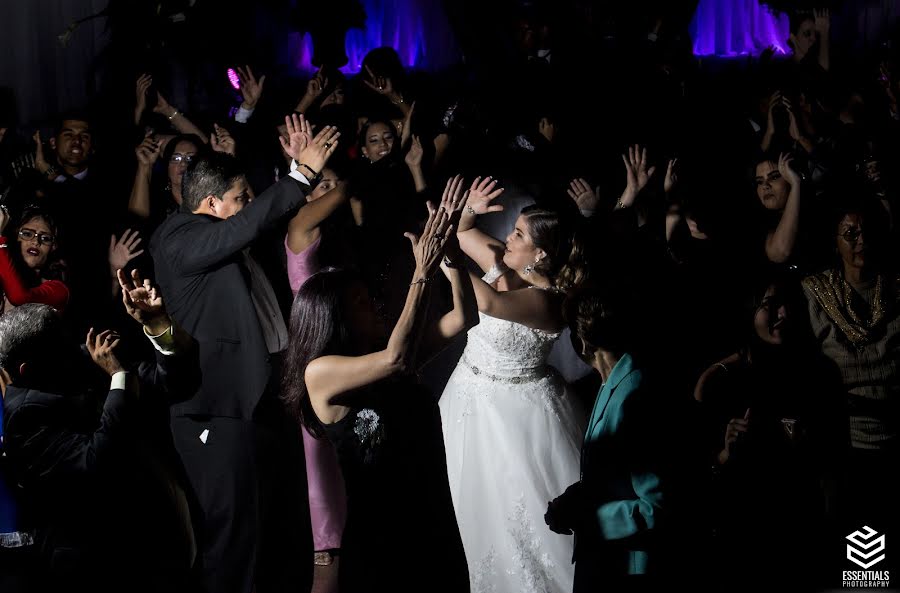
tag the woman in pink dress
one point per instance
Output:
(327, 495)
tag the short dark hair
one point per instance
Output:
(210, 175)
(28, 331)
(71, 116)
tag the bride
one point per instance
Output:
(512, 431)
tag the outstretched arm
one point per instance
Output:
(328, 378)
(214, 243)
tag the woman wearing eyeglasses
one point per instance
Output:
(854, 309)
(150, 201)
(26, 267)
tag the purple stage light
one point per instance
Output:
(234, 79)
(729, 28)
(417, 29)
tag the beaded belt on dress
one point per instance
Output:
(523, 377)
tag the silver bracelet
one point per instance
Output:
(471, 210)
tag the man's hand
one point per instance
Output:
(101, 349)
(312, 153)
(251, 89)
(143, 302)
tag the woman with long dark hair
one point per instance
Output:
(504, 397)
(773, 420)
(27, 270)
(343, 384)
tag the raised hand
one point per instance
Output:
(316, 85)
(4, 218)
(40, 162)
(428, 250)
(406, 125)
(733, 432)
(222, 141)
(793, 127)
(380, 84)
(585, 197)
(414, 156)
(123, 250)
(453, 201)
(638, 174)
(312, 153)
(101, 346)
(148, 151)
(481, 194)
(251, 88)
(774, 101)
(162, 106)
(822, 20)
(671, 176)
(143, 302)
(785, 162)
(140, 95)
(765, 55)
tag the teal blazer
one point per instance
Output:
(621, 493)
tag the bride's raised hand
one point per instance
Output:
(481, 194)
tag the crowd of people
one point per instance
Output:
(274, 392)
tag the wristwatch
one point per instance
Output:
(324, 557)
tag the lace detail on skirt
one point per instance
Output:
(532, 565)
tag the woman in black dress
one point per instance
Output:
(401, 532)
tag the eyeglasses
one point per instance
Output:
(851, 235)
(42, 238)
(181, 158)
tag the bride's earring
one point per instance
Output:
(528, 269)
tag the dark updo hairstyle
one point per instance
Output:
(318, 328)
(602, 318)
(558, 235)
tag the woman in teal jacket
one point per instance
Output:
(614, 509)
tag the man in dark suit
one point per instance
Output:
(105, 491)
(226, 431)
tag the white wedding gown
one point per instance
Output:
(513, 434)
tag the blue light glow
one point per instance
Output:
(730, 28)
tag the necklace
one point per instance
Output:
(877, 309)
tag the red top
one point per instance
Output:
(53, 292)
